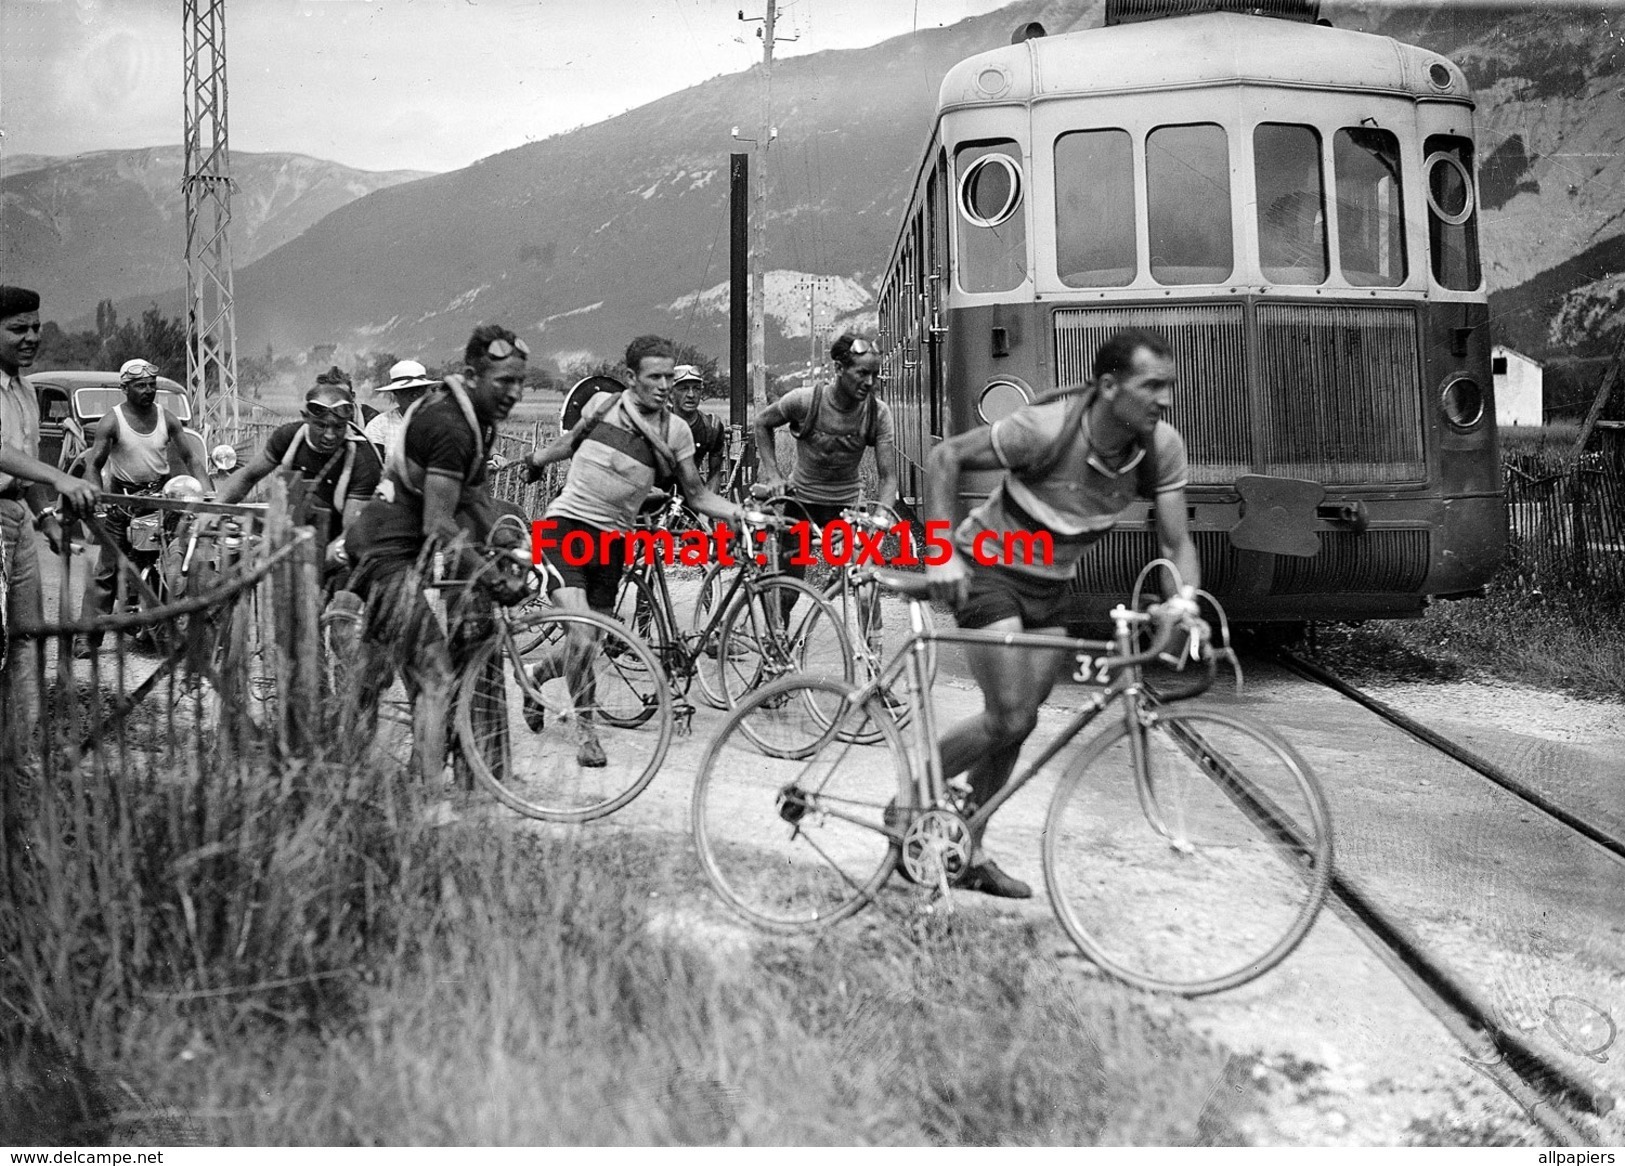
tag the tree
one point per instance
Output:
(159, 339)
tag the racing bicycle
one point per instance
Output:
(1187, 848)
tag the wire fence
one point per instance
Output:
(1566, 520)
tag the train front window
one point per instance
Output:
(1452, 227)
(1370, 221)
(1187, 186)
(992, 227)
(1291, 204)
(1094, 208)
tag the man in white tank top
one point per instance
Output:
(130, 452)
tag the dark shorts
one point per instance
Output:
(599, 580)
(996, 593)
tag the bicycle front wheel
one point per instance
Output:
(790, 815)
(585, 729)
(1197, 871)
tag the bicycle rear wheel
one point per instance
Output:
(636, 609)
(877, 626)
(585, 730)
(1199, 872)
(708, 663)
(790, 816)
(779, 626)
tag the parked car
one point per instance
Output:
(71, 402)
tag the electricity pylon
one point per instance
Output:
(211, 321)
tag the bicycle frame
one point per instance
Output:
(685, 646)
(1122, 684)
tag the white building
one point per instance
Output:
(1519, 396)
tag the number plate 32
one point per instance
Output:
(1094, 670)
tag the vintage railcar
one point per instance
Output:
(1294, 206)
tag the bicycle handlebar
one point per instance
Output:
(1168, 619)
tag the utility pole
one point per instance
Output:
(758, 252)
(211, 321)
(814, 283)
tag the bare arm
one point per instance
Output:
(563, 447)
(950, 581)
(886, 467)
(767, 457)
(701, 497)
(442, 493)
(100, 447)
(80, 493)
(189, 458)
(239, 484)
(1174, 536)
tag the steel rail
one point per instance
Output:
(1614, 847)
(1523, 1072)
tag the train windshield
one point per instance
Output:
(1452, 231)
(1094, 208)
(1370, 221)
(992, 227)
(1291, 204)
(1187, 186)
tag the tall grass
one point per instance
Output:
(1566, 641)
(284, 952)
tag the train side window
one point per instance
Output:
(992, 227)
(1187, 186)
(1291, 204)
(1370, 219)
(1094, 208)
(1452, 226)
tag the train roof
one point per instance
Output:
(1190, 51)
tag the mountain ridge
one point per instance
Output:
(110, 224)
(586, 238)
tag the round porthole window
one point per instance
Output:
(1000, 399)
(1463, 402)
(992, 81)
(1450, 189)
(990, 190)
(1439, 75)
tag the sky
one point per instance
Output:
(397, 84)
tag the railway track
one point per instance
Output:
(1546, 1090)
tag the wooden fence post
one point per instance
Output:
(1610, 378)
(305, 696)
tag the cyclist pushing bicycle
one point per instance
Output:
(1075, 460)
(434, 503)
(832, 427)
(620, 449)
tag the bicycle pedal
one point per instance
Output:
(682, 715)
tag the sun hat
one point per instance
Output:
(407, 374)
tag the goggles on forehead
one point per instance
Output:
(859, 348)
(343, 411)
(500, 349)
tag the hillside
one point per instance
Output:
(587, 238)
(111, 224)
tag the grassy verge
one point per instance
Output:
(376, 981)
(1511, 634)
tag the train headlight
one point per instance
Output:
(1000, 399)
(1463, 401)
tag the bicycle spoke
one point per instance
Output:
(1204, 874)
(779, 771)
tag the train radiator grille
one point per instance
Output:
(1375, 562)
(1112, 564)
(1340, 393)
(1332, 393)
